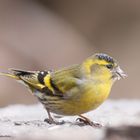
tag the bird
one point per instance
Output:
(73, 90)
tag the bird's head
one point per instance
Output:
(103, 67)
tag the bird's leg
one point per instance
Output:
(50, 120)
(87, 121)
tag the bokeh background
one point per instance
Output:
(49, 34)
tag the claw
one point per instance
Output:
(87, 121)
(51, 121)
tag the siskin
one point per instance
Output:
(73, 90)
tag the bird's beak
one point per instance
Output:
(120, 73)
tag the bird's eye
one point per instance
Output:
(109, 66)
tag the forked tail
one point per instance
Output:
(29, 78)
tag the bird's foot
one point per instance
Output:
(87, 121)
(52, 121)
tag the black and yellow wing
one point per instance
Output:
(67, 80)
(58, 83)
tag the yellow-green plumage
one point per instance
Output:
(81, 93)
(73, 90)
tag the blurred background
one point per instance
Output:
(49, 34)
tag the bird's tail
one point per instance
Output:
(29, 78)
(11, 75)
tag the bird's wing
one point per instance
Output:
(66, 81)
(60, 83)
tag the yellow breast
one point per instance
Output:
(90, 98)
